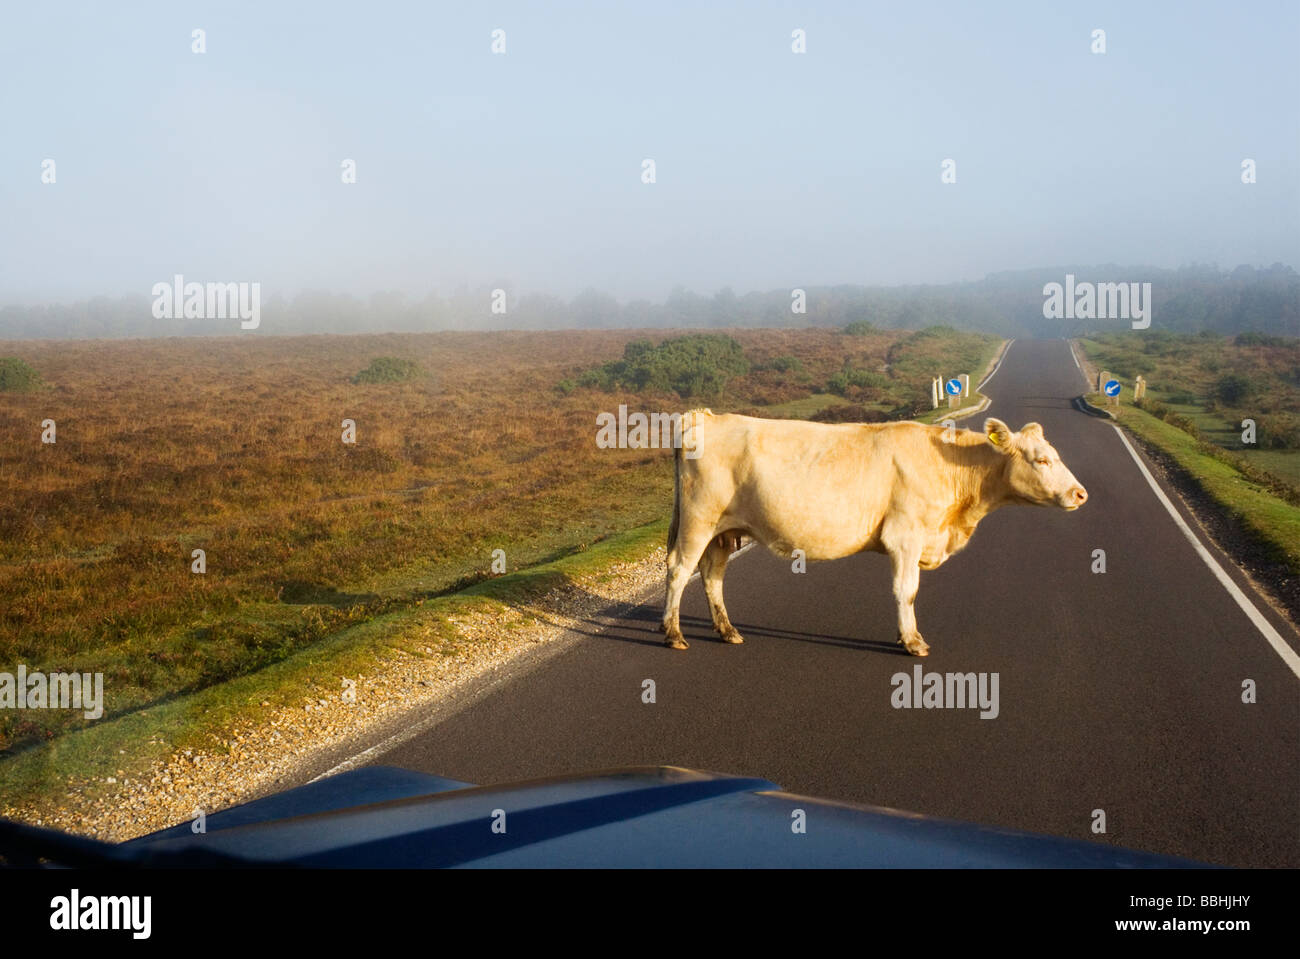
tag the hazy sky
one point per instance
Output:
(524, 169)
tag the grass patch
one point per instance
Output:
(804, 408)
(1284, 464)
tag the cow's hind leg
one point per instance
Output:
(906, 558)
(683, 557)
(713, 565)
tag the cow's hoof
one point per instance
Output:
(914, 645)
(676, 643)
(733, 637)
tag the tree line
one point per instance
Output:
(1190, 299)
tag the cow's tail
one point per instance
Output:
(687, 423)
(677, 497)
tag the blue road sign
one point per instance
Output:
(1112, 387)
(953, 387)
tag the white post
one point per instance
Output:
(934, 393)
(965, 384)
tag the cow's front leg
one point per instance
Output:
(906, 557)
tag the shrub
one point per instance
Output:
(1232, 388)
(859, 328)
(699, 364)
(848, 413)
(933, 331)
(389, 369)
(849, 377)
(1278, 431)
(17, 377)
(782, 364)
(1251, 338)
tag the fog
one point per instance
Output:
(524, 170)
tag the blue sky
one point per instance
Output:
(773, 169)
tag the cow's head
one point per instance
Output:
(1034, 469)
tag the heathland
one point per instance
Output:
(465, 444)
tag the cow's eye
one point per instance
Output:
(1042, 461)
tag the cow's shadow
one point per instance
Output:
(699, 628)
(638, 624)
(847, 642)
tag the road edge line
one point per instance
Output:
(1280, 646)
(1075, 356)
(1005, 350)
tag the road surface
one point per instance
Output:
(1119, 692)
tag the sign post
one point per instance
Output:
(953, 389)
(1111, 389)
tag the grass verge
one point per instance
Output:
(1269, 521)
(124, 748)
(988, 361)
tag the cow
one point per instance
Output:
(913, 491)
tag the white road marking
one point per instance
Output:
(1074, 356)
(996, 368)
(392, 742)
(1289, 655)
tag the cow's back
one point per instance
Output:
(820, 487)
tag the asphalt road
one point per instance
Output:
(1119, 691)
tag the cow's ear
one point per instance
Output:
(1033, 430)
(999, 434)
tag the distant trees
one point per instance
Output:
(1255, 303)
